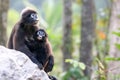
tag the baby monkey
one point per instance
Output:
(41, 47)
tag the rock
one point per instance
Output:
(15, 65)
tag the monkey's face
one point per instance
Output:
(30, 18)
(40, 35)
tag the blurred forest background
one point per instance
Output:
(85, 35)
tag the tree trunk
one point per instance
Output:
(4, 5)
(67, 34)
(87, 35)
(113, 66)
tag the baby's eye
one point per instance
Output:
(41, 33)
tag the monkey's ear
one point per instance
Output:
(46, 34)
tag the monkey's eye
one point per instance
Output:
(40, 33)
(34, 16)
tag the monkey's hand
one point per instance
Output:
(50, 64)
(52, 77)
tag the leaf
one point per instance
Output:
(82, 65)
(76, 63)
(112, 59)
(116, 33)
(117, 46)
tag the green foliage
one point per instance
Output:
(13, 16)
(112, 59)
(116, 33)
(75, 72)
(76, 63)
(117, 46)
(55, 39)
(52, 13)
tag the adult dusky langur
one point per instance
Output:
(24, 28)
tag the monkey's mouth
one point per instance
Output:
(31, 23)
(39, 38)
(35, 22)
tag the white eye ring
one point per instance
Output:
(32, 15)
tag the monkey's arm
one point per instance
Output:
(50, 62)
(31, 45)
